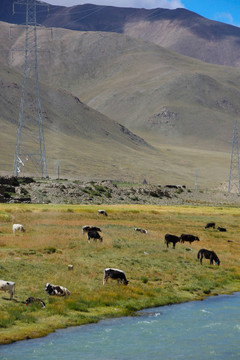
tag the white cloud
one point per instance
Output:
(147, 4)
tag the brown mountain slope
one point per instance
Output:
(143, 86)
(102, 66)
(180, 30)
(85, 141)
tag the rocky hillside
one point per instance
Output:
(63, 191)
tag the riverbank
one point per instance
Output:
(158, 275)
(150, 333)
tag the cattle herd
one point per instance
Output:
(112, 273)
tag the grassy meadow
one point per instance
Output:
(157, 275)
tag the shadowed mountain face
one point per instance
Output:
(150, 90)
(179, 30)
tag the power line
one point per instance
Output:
(234, 173)
(30, 148)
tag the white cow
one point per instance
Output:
(8, 286)
(18, 227)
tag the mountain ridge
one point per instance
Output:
(180, 30)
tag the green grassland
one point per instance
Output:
(157, 275)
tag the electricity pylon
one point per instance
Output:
(30, 147)
(234, 174)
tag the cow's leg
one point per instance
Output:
(201, 257)
(174, 245)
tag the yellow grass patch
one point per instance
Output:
(157, 275)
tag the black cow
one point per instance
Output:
(208, 254)
(210, 225)
(221, 229)
(189, 238)
(171, 239)
(32, 300)
(87, 228)
(94, 235)
(115, 274)
(56, 290)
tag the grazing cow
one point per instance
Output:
(210, 225)
(189, 238)
(18, 227)
(56, 290)
(221, 229)
(171, 186)
(171, 239)
(87, 228)
(8, 286)
(32, 300)
(70, 267)
(141, 230)
(208, 254)
(115, 274)
(102, 212)
(94, 235)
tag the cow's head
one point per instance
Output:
(48, 288)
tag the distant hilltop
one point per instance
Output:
(179, 30)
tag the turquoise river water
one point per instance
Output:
(205, 330)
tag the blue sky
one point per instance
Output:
(227, 11)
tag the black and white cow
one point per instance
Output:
(56, 290)
(143, 231)
(115, 274)
(8, 286)
(169, 238)
(18, 227)
(102, 212)
(189, 238)
(94, 235)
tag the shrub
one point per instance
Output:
(144, 279)
(50, 250)
(179, 191)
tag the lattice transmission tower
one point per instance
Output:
(30, 153)
(234, 173)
